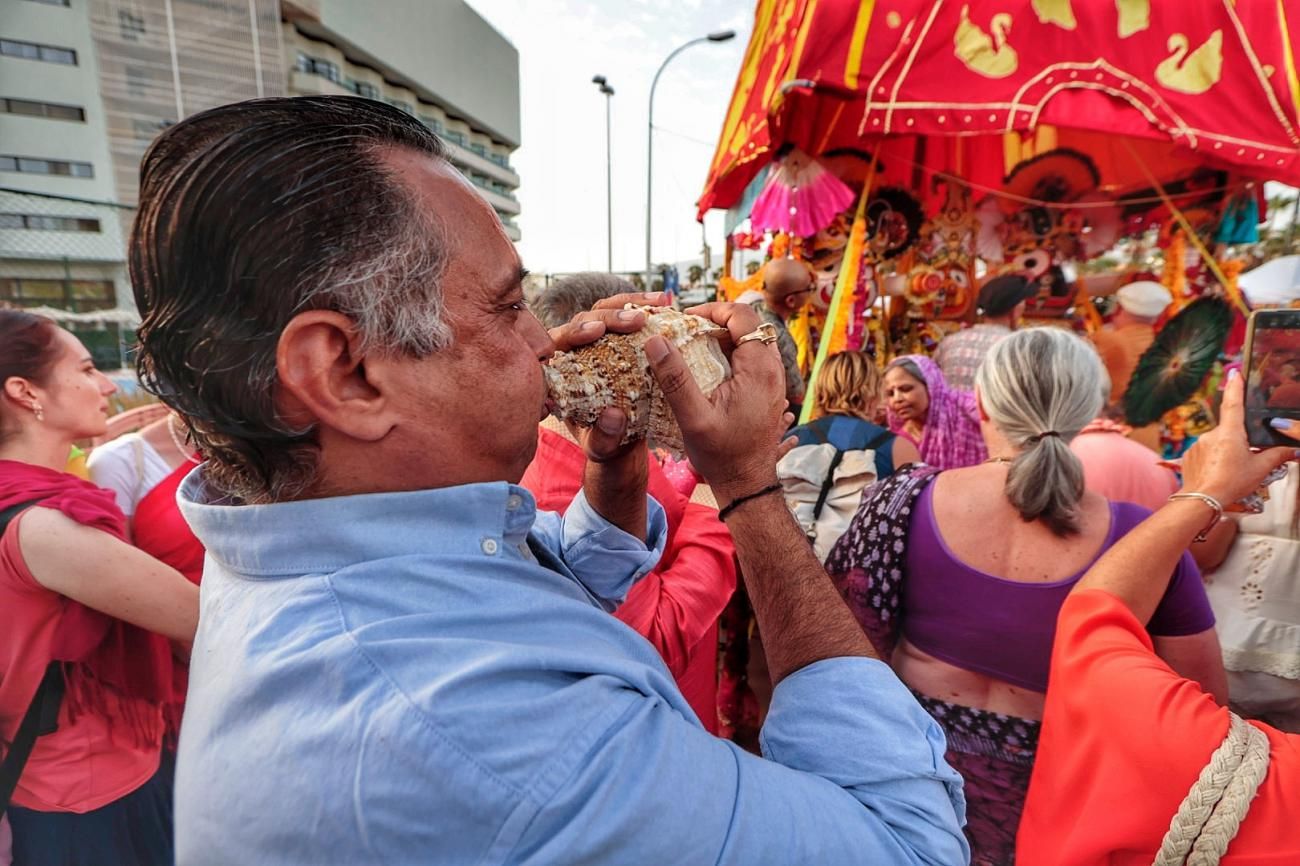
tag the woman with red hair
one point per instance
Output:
(84, 652)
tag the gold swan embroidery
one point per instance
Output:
(1192, 73)
(1134, 16)
(1056, 12)
(991, 56)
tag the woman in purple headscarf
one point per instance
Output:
(943, 422)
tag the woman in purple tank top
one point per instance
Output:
(958, 576)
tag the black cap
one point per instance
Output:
(1000, 295)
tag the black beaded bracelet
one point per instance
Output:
(735, 503)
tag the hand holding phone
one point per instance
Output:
(1272, 375)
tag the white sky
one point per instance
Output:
(561, 163)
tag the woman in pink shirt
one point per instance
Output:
(85, 612)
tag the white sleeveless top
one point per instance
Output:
(1255, 593)
(130, 467)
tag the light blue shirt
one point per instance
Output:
(431, 677)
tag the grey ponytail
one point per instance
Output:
(1040, 387)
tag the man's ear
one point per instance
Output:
(324, 379)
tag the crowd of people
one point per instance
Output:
(983, 621)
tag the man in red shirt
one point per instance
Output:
(677, 605)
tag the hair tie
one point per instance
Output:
(1034, 440)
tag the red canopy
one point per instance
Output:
(974, 88)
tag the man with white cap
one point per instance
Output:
(1131, 332)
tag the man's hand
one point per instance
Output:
(1221, 463)
(734, 439)
(607, 316)
(616, 474)
(733, 435)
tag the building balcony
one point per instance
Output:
(311, 84)
(319, 78)
(300, 10)
(500, 203)
(465, 158)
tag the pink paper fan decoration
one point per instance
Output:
(800, 198)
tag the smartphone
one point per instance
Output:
(1272, 374)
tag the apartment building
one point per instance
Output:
(437, 60)
(162, 60)
(86, 85)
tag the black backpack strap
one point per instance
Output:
(42, 716)
(829, 481)
(827, 484)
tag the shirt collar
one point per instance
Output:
(324, 535)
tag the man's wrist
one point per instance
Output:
(626, 474)
(616, 490)
(727, 492)
(729, 509)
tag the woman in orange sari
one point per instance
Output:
(1124, 738)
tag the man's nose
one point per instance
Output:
(538, 337)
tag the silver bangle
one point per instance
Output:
(1208, 500)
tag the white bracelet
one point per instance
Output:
(1208, 500)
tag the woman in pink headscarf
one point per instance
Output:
(943, 422)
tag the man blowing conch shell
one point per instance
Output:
(399, 659)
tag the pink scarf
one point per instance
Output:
(100, 653)
(950, 437)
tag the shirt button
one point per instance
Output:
(514, 501)
(489, 546)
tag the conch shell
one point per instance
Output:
(614, 371)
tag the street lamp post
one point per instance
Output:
(609, 177)
(720, 36)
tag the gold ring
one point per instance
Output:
(764, 333)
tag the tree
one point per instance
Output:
(694, 274)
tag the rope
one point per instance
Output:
(1192, 236)
(1231, 811)
(1212, 812)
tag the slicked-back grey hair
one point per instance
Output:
(250, 214)
(1040, 387)
(576, 293)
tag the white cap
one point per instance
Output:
(1144, 298)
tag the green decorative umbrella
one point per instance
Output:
(1173, 368)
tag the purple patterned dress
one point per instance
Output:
(993, 752)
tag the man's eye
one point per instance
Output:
(519, 305)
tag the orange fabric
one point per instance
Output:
(81, 766)
(1120, 349)
(1123, 740)
(677, 605)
